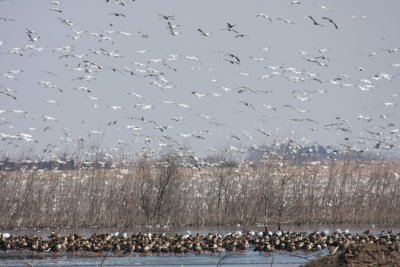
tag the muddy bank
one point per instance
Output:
(362, 255)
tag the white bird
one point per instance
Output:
(198, 94)
(183, 106)
(143, 106)
(205, 116)
(93, 97)
(389, 104)
(56, 10)
(302, 98)
(264, 16)
(174, 33)
(66, 21)
(204, 33)
(172, 26)
(50, 101)
(194, 58)
(135, 95)
(226, 89)
(9, 76)
(269, 107)
(124, 33)
(96, 132)
(115, 107)
(133, 128)
(48, 118)
(27, 138)
(258, 59)
(83, 88)
(286, 20)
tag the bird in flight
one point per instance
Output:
(118, 14)
(264, 16)
(172, 26)
(230, 28)
(166, 17)
(286, 20)
(174, 33)
(248, 104)
(32, 38)
(241, 36)
(204, 33)
(235, 57)
(315, 22)
(8, 94)
(232, 61)
(6, 19)
(331, 21)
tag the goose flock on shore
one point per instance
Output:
(146, 244)
(137, 76)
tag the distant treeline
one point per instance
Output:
(254, 154)
(70, 164)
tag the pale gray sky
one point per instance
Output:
(324, 76)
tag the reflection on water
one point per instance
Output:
(251, 258)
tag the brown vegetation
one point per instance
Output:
(362, 255)
(179, 190)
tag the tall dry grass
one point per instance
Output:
(169, 190)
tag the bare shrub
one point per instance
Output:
(177, 188)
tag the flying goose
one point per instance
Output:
(315, 22)
(204, 33)
(264, 16)
(331, 21)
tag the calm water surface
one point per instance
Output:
(250, 259)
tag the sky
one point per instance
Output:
(133, 75)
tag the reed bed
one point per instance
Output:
(169, 191)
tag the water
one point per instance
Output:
(249, 259)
